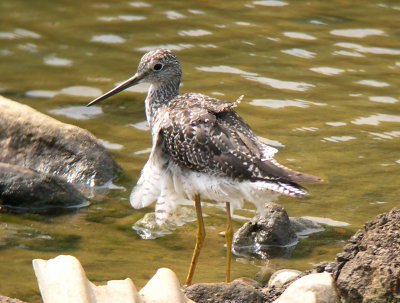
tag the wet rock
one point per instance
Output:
(22, 188)
(4, 299)
(313, 288)
(236, 291)
(368, 269)
(38, 142)
(266, 236)
(303, 226)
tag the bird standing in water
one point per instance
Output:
(201, 148)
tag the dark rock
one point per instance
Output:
(234, 292)
(33, 140)
(266, 236)
(22, 188)
(368, 270)
(4, 299)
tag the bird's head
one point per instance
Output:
(156, 67)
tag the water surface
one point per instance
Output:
(320, 79)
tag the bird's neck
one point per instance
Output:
(159, 95)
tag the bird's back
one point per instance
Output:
(206, 135)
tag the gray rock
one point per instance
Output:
(266, 236)
(368, 270)
(24, 189)
(33, 140)
(234, 292)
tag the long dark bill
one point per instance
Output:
(126, 84)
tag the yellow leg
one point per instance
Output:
(200, 235)
(228, 237)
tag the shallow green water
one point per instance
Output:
(320, 78)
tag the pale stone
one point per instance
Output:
(63, 279)
(163, 287)
(283, 276)
(313, 288)
(117, 291)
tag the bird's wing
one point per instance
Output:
(205, 134)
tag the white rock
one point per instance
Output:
(117, 291)
(163, 287)
(313, 288)
(280, 277)
(63, 279)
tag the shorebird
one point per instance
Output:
(201, 148)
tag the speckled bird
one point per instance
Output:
(201, 148)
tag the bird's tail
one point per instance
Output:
(296, 176)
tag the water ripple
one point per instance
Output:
(143, 125)
(173, 47)
(41, 93)
(82, 91)
(291, 85)
(173, 15)
(383, 99)
(373, 83)
(194, 33)
(376, 119)
(370, 50)
(110, 38)
(55, 61)
(78, 112)
(19, 33)
(326, 221)
(128, 18)
(329, 71)
(139, 4)
(297, 35)
(336, 123)
(338, 139)
(348, 53)
(224, 69)
(109, 145)
(385, 135)
(306, 129)
(357, 32)
(196, 12)
(270, 3)
(276, 103)
(299, 52)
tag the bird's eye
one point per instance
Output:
(158, 66)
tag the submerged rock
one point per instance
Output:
(236, 291)
(368, 269)
(33, 140)
(266, 236)
(24, 189)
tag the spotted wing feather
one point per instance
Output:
(207, 135)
